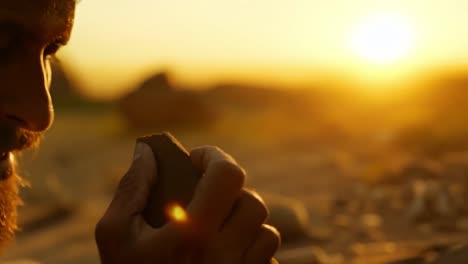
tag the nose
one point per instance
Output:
(25, 98)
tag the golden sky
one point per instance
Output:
(117, 42)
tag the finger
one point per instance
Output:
(166, 242)
(202, 157)
(265, 246)
(241, 228)
(134, 188)
(132, 193)
(217, 190)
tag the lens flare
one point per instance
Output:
(176, 213)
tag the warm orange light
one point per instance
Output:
(176, 213)
(383, 39)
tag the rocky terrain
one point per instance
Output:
(347, 179)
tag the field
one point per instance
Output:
(373, 191)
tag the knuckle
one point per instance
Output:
(101, 230)
(105, 231)
(258, 206)
(272, 239)
(212, 148)
(208, 151)
(201, 151)
(234, 174)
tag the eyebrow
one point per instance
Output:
(21, 31)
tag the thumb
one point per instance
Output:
(134, 188)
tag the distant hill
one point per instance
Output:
(65, 94)
(63, 90)
(156, 103)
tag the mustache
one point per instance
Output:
(15, 138)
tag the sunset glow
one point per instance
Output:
(118, 43)
(382, 39)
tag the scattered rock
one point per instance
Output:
(413, 260)
(309, 255)
(456, 164)
(291, 218)
(462, 224)
(382, 248)
(302, 255)
(421, 169)
(23, 261)
(456, 256)
(342, 220)
(371, 220)
(429, 200)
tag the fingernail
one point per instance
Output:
(138, 152)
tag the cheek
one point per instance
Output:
(8, 75)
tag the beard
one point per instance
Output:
(15, 140)
(18, 139)
(9, 201)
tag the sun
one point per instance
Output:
(382, 39)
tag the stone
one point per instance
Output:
(177, 177)
(456, 256)
(292, 220)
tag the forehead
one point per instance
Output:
(43, 5)
(44, 16)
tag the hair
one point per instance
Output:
(62, 6)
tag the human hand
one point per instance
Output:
(225, 222)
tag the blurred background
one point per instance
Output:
(349, 117)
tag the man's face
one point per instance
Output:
(31, 31)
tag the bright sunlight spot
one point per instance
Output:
(382, 39)
(176, 213)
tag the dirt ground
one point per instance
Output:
(76, 169)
